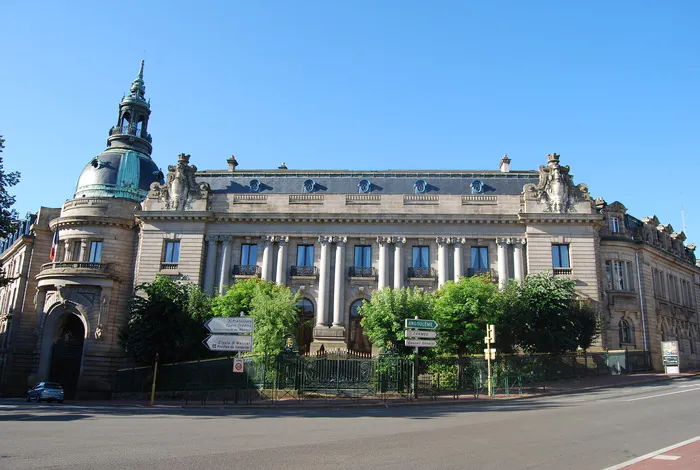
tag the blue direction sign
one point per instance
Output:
(421, 324)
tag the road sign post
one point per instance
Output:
(229, 343)
(490, 353)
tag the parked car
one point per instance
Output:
(46, 391)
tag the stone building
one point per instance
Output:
(333, 236)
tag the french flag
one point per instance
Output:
(54, 245)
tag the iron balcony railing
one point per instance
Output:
(168, 266)
(421, 272)
(74, 265)
(362, 271)
(131, 130)
(303, 271)
(246, 270)
(478, 271)
(562, 271)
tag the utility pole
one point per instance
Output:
(153, 387)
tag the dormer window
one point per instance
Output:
(615, 224)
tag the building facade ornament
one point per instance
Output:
(556, 189)
(181, 188)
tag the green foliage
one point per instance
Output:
(166, 319)
(543, 314)
(8, 216)
(383, 316)
(462, 310)
(273, 307)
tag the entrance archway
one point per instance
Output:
(67, 353)
(357, 341)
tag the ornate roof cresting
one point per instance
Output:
(556, 190)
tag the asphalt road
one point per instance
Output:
(591, 430)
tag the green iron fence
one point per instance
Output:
(290, 378)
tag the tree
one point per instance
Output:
(383, 316)
(272, 306)
(543, 314)
(167, 320)
(8, 216)
(462, 311)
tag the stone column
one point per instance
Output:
(281, 274)
(502, 261)
(266, 262)
(339, 284)
(459, 256)
(83, 250)
(398, 262)
(518, 267)
(210, 268)
(322, 301)
(225, 278)
(383, 278)
(442, 260)
(67, 253)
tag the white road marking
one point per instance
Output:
(667, 457)
(653, 454)
(689, 385)
(664, 394)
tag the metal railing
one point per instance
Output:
(361, 271)
(303, 271)
(341, 374)
(562, 271)
(131, 130)
(168, 266)
(421, 273)
(246, 270)
(74, 265)
(478, 272)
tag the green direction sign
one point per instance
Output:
(421, 324)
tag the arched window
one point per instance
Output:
(125, 123)
(625, 332)
(306, 325)
(139, 126)
(357, 341)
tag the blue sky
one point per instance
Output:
(611, 86)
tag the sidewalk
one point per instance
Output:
(681, 456)
(558, 387)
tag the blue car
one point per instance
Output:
(46, 391)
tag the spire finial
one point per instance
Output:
(138, 89)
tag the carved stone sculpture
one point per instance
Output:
(181, 187)
(556, 189)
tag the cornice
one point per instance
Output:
(551, 218)
(27, 240)
(174, 215)
(365, 218)
(64, 222)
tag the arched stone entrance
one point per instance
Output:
(62, 349)
(306, 321)
(357, 341)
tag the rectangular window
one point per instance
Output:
(249, 254)
(76, 251)
(305, 255)
(560, 256)
(614, 224)
(95, 252)
(619, 275)
(172, 252)
(363, 256)
(421, 256)
(480, 257)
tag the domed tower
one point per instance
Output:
(83, 291)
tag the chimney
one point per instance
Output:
(505, 164)
(232, 163)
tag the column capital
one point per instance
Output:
(398, 241)
(502, 241)
(279, 239)
(212, 238)
(340, 241)
(324, 240)
(226, 239)
(383, 240)
(459, 240)
(518, 241)
(443, 240)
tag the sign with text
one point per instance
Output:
(230, 325)
(229, 343)
(420, 324)
(420, 334)
(670, 356)
(238, 363)
(420, 343)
